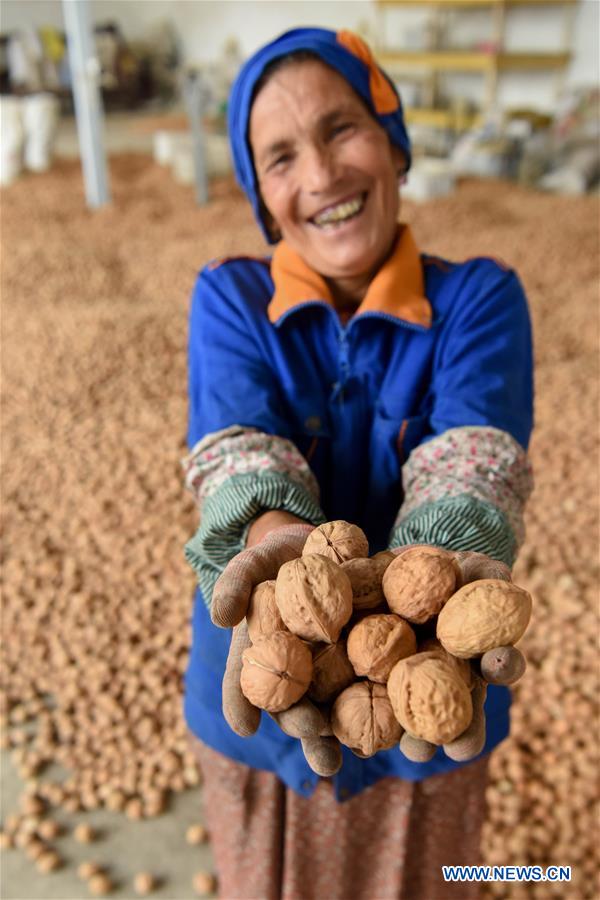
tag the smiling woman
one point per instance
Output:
(347, 376)
(327, 174)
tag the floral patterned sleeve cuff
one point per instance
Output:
(466, 490)
(235, 475)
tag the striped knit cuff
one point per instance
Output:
(480, 462)
(227, 514)
(459, 523)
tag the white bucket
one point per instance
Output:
(167, 143)
(40, 119)
(429, 177)
(183, 165)
(11, 143)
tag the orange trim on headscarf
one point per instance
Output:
(383, 95)
(397, 289)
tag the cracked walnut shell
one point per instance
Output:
(276, 671)
(429, 698)
(314, 598)
(338, 541)
(332, 672)
(362, 718)
(263, 616)
(419, 582)
(377, 643)
(482, 615)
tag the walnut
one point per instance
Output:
(332, 672)
(429, 698)
(338, 540)
(419, 582)
(362, 719)
(314, 598)
(276, 671)
(263, 615)
(462, 666)
(365, 576)
(384, 558)
(483, 615)
(377, 643)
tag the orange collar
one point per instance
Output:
(397, 289)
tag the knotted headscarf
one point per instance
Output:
(345, 52)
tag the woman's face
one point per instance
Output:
(327, 172)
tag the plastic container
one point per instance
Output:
(166, 144)
(428, 178)
(11, 145)
(40, 120)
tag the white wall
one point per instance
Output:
(205, 25)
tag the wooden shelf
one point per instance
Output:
(489, 62)
(442, 118)
(472, 60)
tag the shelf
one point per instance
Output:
(442, 118)
(490, 59)
(472, 60)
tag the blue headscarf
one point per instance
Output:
(345, 52)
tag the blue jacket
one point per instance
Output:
(435, 345)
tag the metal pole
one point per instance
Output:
(193, 91)
(88, 102)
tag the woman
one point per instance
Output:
(347, 377)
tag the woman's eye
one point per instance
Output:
(279, 162)
(342, 127)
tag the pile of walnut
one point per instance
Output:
(396, 648)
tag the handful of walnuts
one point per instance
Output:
(377, 651)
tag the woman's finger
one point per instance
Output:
(302, 720)
(241, 715)
(502, 665)
(475, 566)
(323, 754)
(472, 741)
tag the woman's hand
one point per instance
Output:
(257, 563)
(261, 562)
(501, 665)
(303, 720)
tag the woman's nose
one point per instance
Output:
(319, 169)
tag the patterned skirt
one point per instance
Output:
(389, 841)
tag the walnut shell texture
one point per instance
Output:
(419, 582)
(338, 541)
(276, 671)
(429, 698)
(332, 672)
(366, 575)
(314, 597)
(263, 615)
(377, 643)
(362, 718)
(462, 666)
(482, 615)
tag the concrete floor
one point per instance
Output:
(125, 848)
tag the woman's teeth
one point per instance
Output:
(335, 215)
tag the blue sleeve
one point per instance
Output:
(232, 383)
(469, 493)
(230, 379)
(483, 369)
